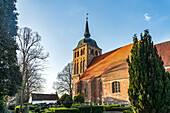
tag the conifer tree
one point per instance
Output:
(10, 76)
(149, 85)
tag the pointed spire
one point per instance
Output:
(87, 33)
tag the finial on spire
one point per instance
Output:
(87, 16)
(87, 33)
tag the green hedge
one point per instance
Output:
(127, 111)
(120, 108)
(67, 110)
(76, 105)
(115, 107)
(97, 109)
(85, 109)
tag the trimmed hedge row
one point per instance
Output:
(97, 109)
(127, 111)
(85, 109)
(115, 107)
(120, 108)
(67, 110)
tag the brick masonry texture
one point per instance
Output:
(106, 69)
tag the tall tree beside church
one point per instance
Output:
(31, 58)
(149, 86)
(10, 76)
(63, 84)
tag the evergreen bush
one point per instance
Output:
(149, 86)
(67, 101)
(97, 109)
(67, 110)
(85, 109)
(79, 98)
(127, 111)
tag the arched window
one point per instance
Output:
(100, 86)
(84, 51)
(86, 90)
(89, 51)
(77, 53)
(81, 67)
(92, 52)
(115, 87)
(77, 68)
(81, 52)
(96, 53)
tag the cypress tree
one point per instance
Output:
(10, 76)
(149, 86)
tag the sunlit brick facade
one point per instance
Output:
(104, 78)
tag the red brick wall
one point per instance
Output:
(116, 97)
(164, 51)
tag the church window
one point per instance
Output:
(89, 51)
(81, 52)
(77, 53)
(119, 86)
(81, 67)
(115, 87)
(92, 52)
(86, 90)
(77, 68)
(100, 86)
(84, 51)
(96, 53)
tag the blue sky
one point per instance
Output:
(112, 24)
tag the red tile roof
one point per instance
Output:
(112, 65)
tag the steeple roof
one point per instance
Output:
(87, 39)
(87, 33)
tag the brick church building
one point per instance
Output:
(104, 78)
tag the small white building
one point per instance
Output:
(43, 98)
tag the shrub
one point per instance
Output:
(106, 107)
(66, 110)
(52, 109)
(120, 108)
(59, 106)
(68, 102)
(58, 102)
(127, 111)
(85, 109)
(79, 98)
(11, 107)
(115, 105)
(76, 105)
(17, 108)
(63, 97)
(97, 109)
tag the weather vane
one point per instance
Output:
(87, 16)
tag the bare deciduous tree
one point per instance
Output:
(31, 61)
(64, 80)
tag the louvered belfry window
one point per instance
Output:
(115, 87)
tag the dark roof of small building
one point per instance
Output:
(44, 96)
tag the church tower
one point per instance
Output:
(83, 55)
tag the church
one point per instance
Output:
(104, 78)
